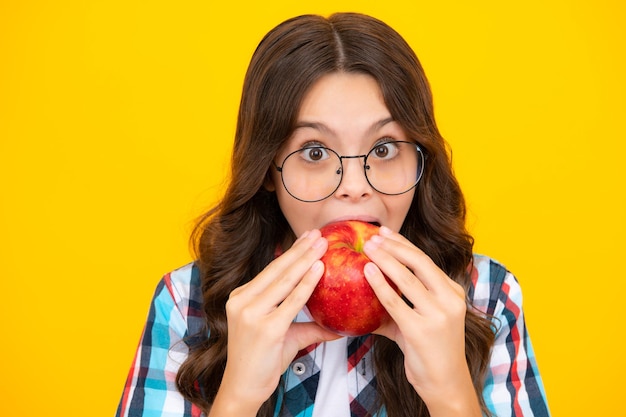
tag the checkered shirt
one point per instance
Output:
(513, 386)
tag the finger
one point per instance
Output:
(295, 298)
(264, 293)
(275, 316)
(291, 264)
(397, 308)
(433, 278)
(408, 284)
(306, 334)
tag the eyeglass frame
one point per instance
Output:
(421, 163)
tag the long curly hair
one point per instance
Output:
(237, 238)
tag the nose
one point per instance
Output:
(354, 185)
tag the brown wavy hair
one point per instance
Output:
(236, 239)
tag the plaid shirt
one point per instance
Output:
(513, 386)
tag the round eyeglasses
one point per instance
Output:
(314, 173)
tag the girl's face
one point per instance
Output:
(346, 113)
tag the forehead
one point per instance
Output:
(344, 105)
(340, 94)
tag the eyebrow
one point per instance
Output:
(325, 129)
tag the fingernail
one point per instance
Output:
(369, 269)
(385, 231)
(319, 243)
(317, 266)
(377, 239)
(372, 243)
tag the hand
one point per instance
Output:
(262, 338)
(431, 334)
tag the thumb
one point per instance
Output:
(301, 335)
(305, 334)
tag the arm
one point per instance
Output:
(262, 337)
(150, 387)
(431, 331)
(513, 386)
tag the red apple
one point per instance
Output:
(343, 300)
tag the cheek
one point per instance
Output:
(399, 210)
(300, 216)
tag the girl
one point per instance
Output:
(229, 335)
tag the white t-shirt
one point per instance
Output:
(331, 399)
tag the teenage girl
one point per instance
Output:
(336, 122)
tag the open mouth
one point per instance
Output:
(364, 219)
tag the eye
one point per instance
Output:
(386, 150)
(314, 154)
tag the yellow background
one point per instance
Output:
(116, 119)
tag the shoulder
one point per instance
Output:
(183, 285)
(494, 286)
(180, 293)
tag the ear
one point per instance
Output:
(268, 183)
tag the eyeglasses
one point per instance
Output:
(314, 173)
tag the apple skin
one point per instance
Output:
(343, 301)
